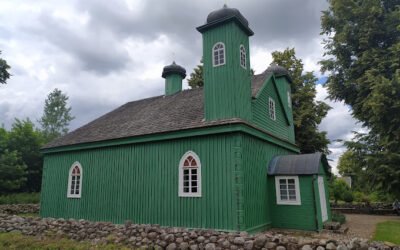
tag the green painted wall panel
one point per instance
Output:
(260, 109)
(139, 182)
(256, 157)
(173, 84)
(302, 216)
(227, 88)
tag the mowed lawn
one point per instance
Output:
(17, 241)
(388, 231)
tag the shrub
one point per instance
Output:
(348, 197)
(20, 198)
(338, 217)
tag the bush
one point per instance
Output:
(360, 197)
(338, 217)
(348, 197)
(20, 198)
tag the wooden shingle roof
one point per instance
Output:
(183, 110)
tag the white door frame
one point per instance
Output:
(322, 198)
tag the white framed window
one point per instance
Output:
(218, 54)
(242, 56)
(289, 99)
(271, 109)
(190, 175)
(75, 181)
(287, 190)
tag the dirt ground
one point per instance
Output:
(360, 226)
(363, 226)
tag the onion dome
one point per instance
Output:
(174, 69)
(224, 15)
(278, 71)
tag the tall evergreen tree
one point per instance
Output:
(196, 77)
(363, 49)
(56, 115)
(307, 113)
(4, 68)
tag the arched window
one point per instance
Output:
(242, 56)
(190, 175)
(75, 181)
(218, 54)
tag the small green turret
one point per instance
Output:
(173, 74)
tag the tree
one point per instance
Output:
(307, 113)
(339, 189)
(25, 139)
(12, 172)
(363, 47)
(196, 77)
(4, 68)
(12, 167)
(56, 115)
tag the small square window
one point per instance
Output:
(287, 190)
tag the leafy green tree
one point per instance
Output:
(12, 172)
(339, 188)
(196, 77)
(56, 115)
(363, 49)
(4, 68)
(307, 113)
(27, 140)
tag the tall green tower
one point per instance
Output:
(226, 58)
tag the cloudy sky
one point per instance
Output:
(104, 53)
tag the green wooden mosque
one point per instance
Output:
(221, 157)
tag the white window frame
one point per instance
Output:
(223, 54)
(242, 55)
(271, 109)
(69, 195)
(181, 192)
(279, 201)
(289, 99)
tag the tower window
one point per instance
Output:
(190, 175)
(218, 54)
(242, 56)
(289, 99)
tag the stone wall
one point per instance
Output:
(364, 208)
(156, 237)
(19, 208)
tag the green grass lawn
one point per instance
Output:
(388, 231)
(18, 241)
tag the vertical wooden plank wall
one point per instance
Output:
(139, 182)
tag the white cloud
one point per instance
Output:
(339, 124)
(103, 54)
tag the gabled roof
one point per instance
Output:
(304, 164)
(183, 110)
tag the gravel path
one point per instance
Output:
(361, 225)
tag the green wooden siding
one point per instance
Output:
(173, 84)
(139, 182)
(260, 109)
(295, 216)
(256, 157)
(227, 88)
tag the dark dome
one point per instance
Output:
(174, 69)
(278, 70)
(225, 13)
